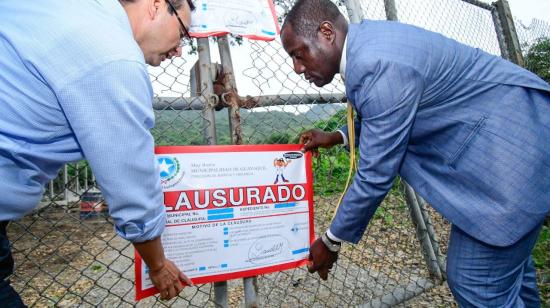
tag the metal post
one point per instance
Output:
(231, 97)
(220, 294)
(509, 32)
(432, 235)
(354, 11)
(500, 34)
(422, 232)
(77, 176)
(391, 10)
(207, 90)
(66, 184)
(251, 292)
(94, 184)
(51, 190)
(86, 177)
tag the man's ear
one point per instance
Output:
(153, 7)
(327, 31)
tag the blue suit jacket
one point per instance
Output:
(469, 131)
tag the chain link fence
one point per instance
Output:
(531, 33)
(67, 253)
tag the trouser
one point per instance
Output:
(282, 177)
(481, 275)
(8, 297)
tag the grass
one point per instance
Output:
(541, 257)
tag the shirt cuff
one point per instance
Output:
(333, 237)
(344, 137)
(137, 232)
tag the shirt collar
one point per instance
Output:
(343, 59)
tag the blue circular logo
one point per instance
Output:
(168, 167)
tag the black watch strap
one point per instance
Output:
(333, 241)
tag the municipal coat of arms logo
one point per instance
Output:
(170, 171)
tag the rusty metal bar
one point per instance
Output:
(232, 97)
(249, 102)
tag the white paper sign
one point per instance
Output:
(233, 211)
(253, 19)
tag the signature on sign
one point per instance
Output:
(267, 249)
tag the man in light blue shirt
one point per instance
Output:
(74, 85)
(467, 130)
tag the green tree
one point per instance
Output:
(334, 122)
(537, 59)
(278, 138)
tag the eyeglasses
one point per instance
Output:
(185, 36)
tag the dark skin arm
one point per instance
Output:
(315, 139)
(321, 259)
(164, 274)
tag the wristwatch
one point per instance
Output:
(333, 246)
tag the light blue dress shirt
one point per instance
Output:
(74, 85)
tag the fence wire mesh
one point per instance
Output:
(66, 256)
(531, 33)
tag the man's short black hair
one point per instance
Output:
(306, 16)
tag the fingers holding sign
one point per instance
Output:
(314, 139)
(169, 280)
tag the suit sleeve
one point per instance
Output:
(110, 112)
(344, 129)
(387, 101)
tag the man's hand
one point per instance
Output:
(164, 274)
(321, 259)
(316, 138)
(168, 280)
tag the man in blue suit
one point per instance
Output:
(470, 132)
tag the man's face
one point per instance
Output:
(163, 39)
(317, 58)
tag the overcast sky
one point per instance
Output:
(529, 9)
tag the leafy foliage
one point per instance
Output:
(537, 59)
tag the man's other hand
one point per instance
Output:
(321, 259)
(314, 139)
(169, 280)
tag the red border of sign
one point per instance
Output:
(251, 36)
(140, 294)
